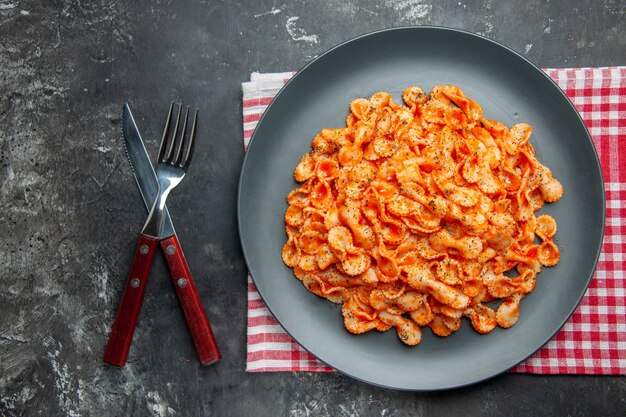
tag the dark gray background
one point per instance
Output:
(70, 211)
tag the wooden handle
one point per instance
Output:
(123, 329)
(197, 322)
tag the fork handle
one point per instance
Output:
(197, 322)
(121, 336)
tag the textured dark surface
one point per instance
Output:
(70, 211)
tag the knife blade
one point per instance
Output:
(186, 291)
(142, 168)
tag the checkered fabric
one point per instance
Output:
(593, 341)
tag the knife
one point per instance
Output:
(186, 291)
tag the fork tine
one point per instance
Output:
(171, 143)
(191, 142)
(181, 140)
(162, 146)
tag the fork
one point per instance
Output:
(171, 167)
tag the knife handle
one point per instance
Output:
(197, 322)
(121, 336)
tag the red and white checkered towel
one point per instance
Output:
(593, 341)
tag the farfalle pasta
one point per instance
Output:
(421, 214)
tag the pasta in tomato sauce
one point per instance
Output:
(420, 214)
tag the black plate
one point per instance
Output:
(510, 89)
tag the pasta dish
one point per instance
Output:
(420, 214)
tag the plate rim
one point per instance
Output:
(480, 38)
